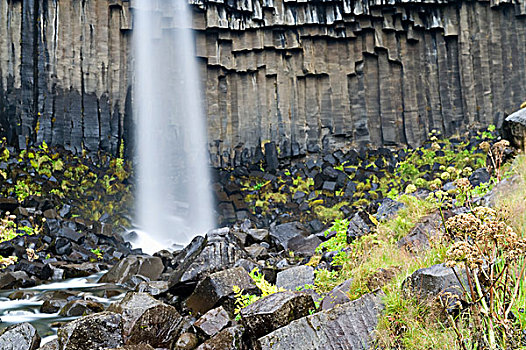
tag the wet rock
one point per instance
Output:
(146, 320)
(348, 326)
(218, 289)
(134, 347)
(429, 282)
(339, 295)
(282, 234)
(92, 332)
(388, 209)
(12, 280)
(418, 238)
(479, 176)
(304, 246)
(212, 322)
(52, 345)
(359, 225)
(144, 265)
(80, 307)
(275, 311)
(153, 287)
(187, 341)
(80, 270)
(227, 339)
(52, 306)
(297, 276)
(220, 250)
(21, 294)
(22, 336)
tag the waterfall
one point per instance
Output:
(173, 200)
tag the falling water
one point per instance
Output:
(173, 199)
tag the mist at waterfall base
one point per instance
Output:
(173, 199)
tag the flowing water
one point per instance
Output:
(174, 202)
(28, 310)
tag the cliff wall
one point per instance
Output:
(308, 74)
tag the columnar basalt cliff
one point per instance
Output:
(309, 75)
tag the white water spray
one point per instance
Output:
(174, 202)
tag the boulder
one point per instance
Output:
(92, 332)
(218, 289)
(275, 311)
(227, 339)
(359, 225)
(80, 270)
(134, 347)
(339, 295)
(144, 265)
(22, 336)
(51, 345)
(479, 176)
(347, 326)
(81, 307)
(187, 341)
(418, 238)
(218, 251)
(12, 280)
(146, 320)
(52, 306)
(153, 287)
(295, 277)
(282, 234)
(429, 282)
(388, 209)
(304, 246)
(258, 235)
(212, 322)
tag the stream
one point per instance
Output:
(28, 308)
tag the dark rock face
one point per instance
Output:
(218, 251)
(275, 311)
(217, 288)
(359, 225)
(147, 266)
(348, 326)
(146, 320)
(80, 101)
(93, 332)
(11, 280)
(22, 336)
(227, 339)
(429, 282)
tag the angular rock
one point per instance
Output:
(304, 246)
(418, 237)
(22, 336)
(52, 345)
(187, 341)
(212, 322)
(347, 326)
(52, 306)
(479, 176)
(220, 250)
(256, 251)
(282, 234)
(388, 209)
(80, 307)
(227, 339)
(275, 311)
(92, 332)
(147, 266)
(146, 320)
(359, 225)
(295, 277)
(339, 295)
(12, 280)
(134, 347)
(258, 235)
(429, 282)
(153, 287)
(218, 289)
